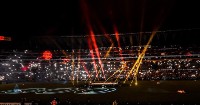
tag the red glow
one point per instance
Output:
(104, 31)
(188, 54)
(86, 70)
(118, 41)
(87, 18)
(117, 35)
(47, 55)
(65, 60)
(92, 55)
(2, 38)
(25, 68)
(54, 102)
(96, 50)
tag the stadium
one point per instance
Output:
(128, 74)
(106, 52)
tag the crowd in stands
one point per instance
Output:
(171, 62)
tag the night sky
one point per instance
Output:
(74, 17)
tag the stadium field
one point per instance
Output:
(149, 92)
